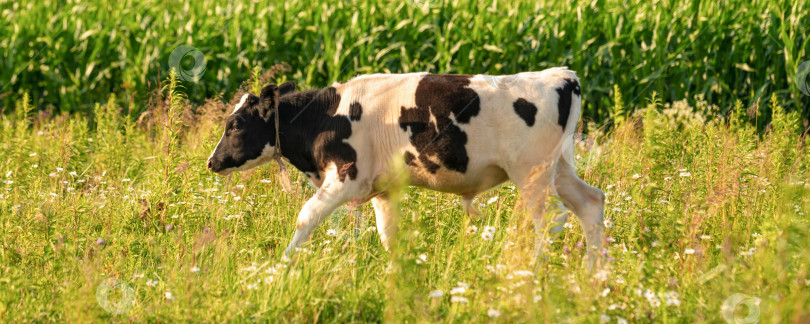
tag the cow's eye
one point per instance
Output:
(235, 127)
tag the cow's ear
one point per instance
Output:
(268, 101)
(286, 87)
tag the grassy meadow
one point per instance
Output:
(108, 212)
(694, 127)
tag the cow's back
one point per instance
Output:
(459, 133)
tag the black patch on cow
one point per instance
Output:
(446, 98)
(286, 88)
(312, 134)
(410, 159)
(355, 111)
(526, 110)
(564, 104)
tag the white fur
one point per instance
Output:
(241, 103)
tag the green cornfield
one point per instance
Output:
(694, 126)
(69, 54)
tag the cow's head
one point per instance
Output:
(250, 134)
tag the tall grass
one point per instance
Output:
(70, 54)
(696, 212)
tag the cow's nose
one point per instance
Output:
(209, 164)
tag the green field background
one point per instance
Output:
(71, 54)
(694, 127)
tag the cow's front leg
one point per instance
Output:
(386, 219)
(330, 196)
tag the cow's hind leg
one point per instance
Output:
(587, 202)
(386, 220)
(560, 216)
(469, 206)
(535, 187)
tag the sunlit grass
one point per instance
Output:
(696, 212)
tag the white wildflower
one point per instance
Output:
(673, 302)
(421, 259)
(169, 295)
(436, 293)
(331, 232)
(459, 299)
(601, 275)
(472, 229)
(493, 313)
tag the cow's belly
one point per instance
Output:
(473, 181)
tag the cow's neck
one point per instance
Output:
(302, 116)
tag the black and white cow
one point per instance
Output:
(462, 134)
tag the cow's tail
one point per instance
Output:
(569, 108)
